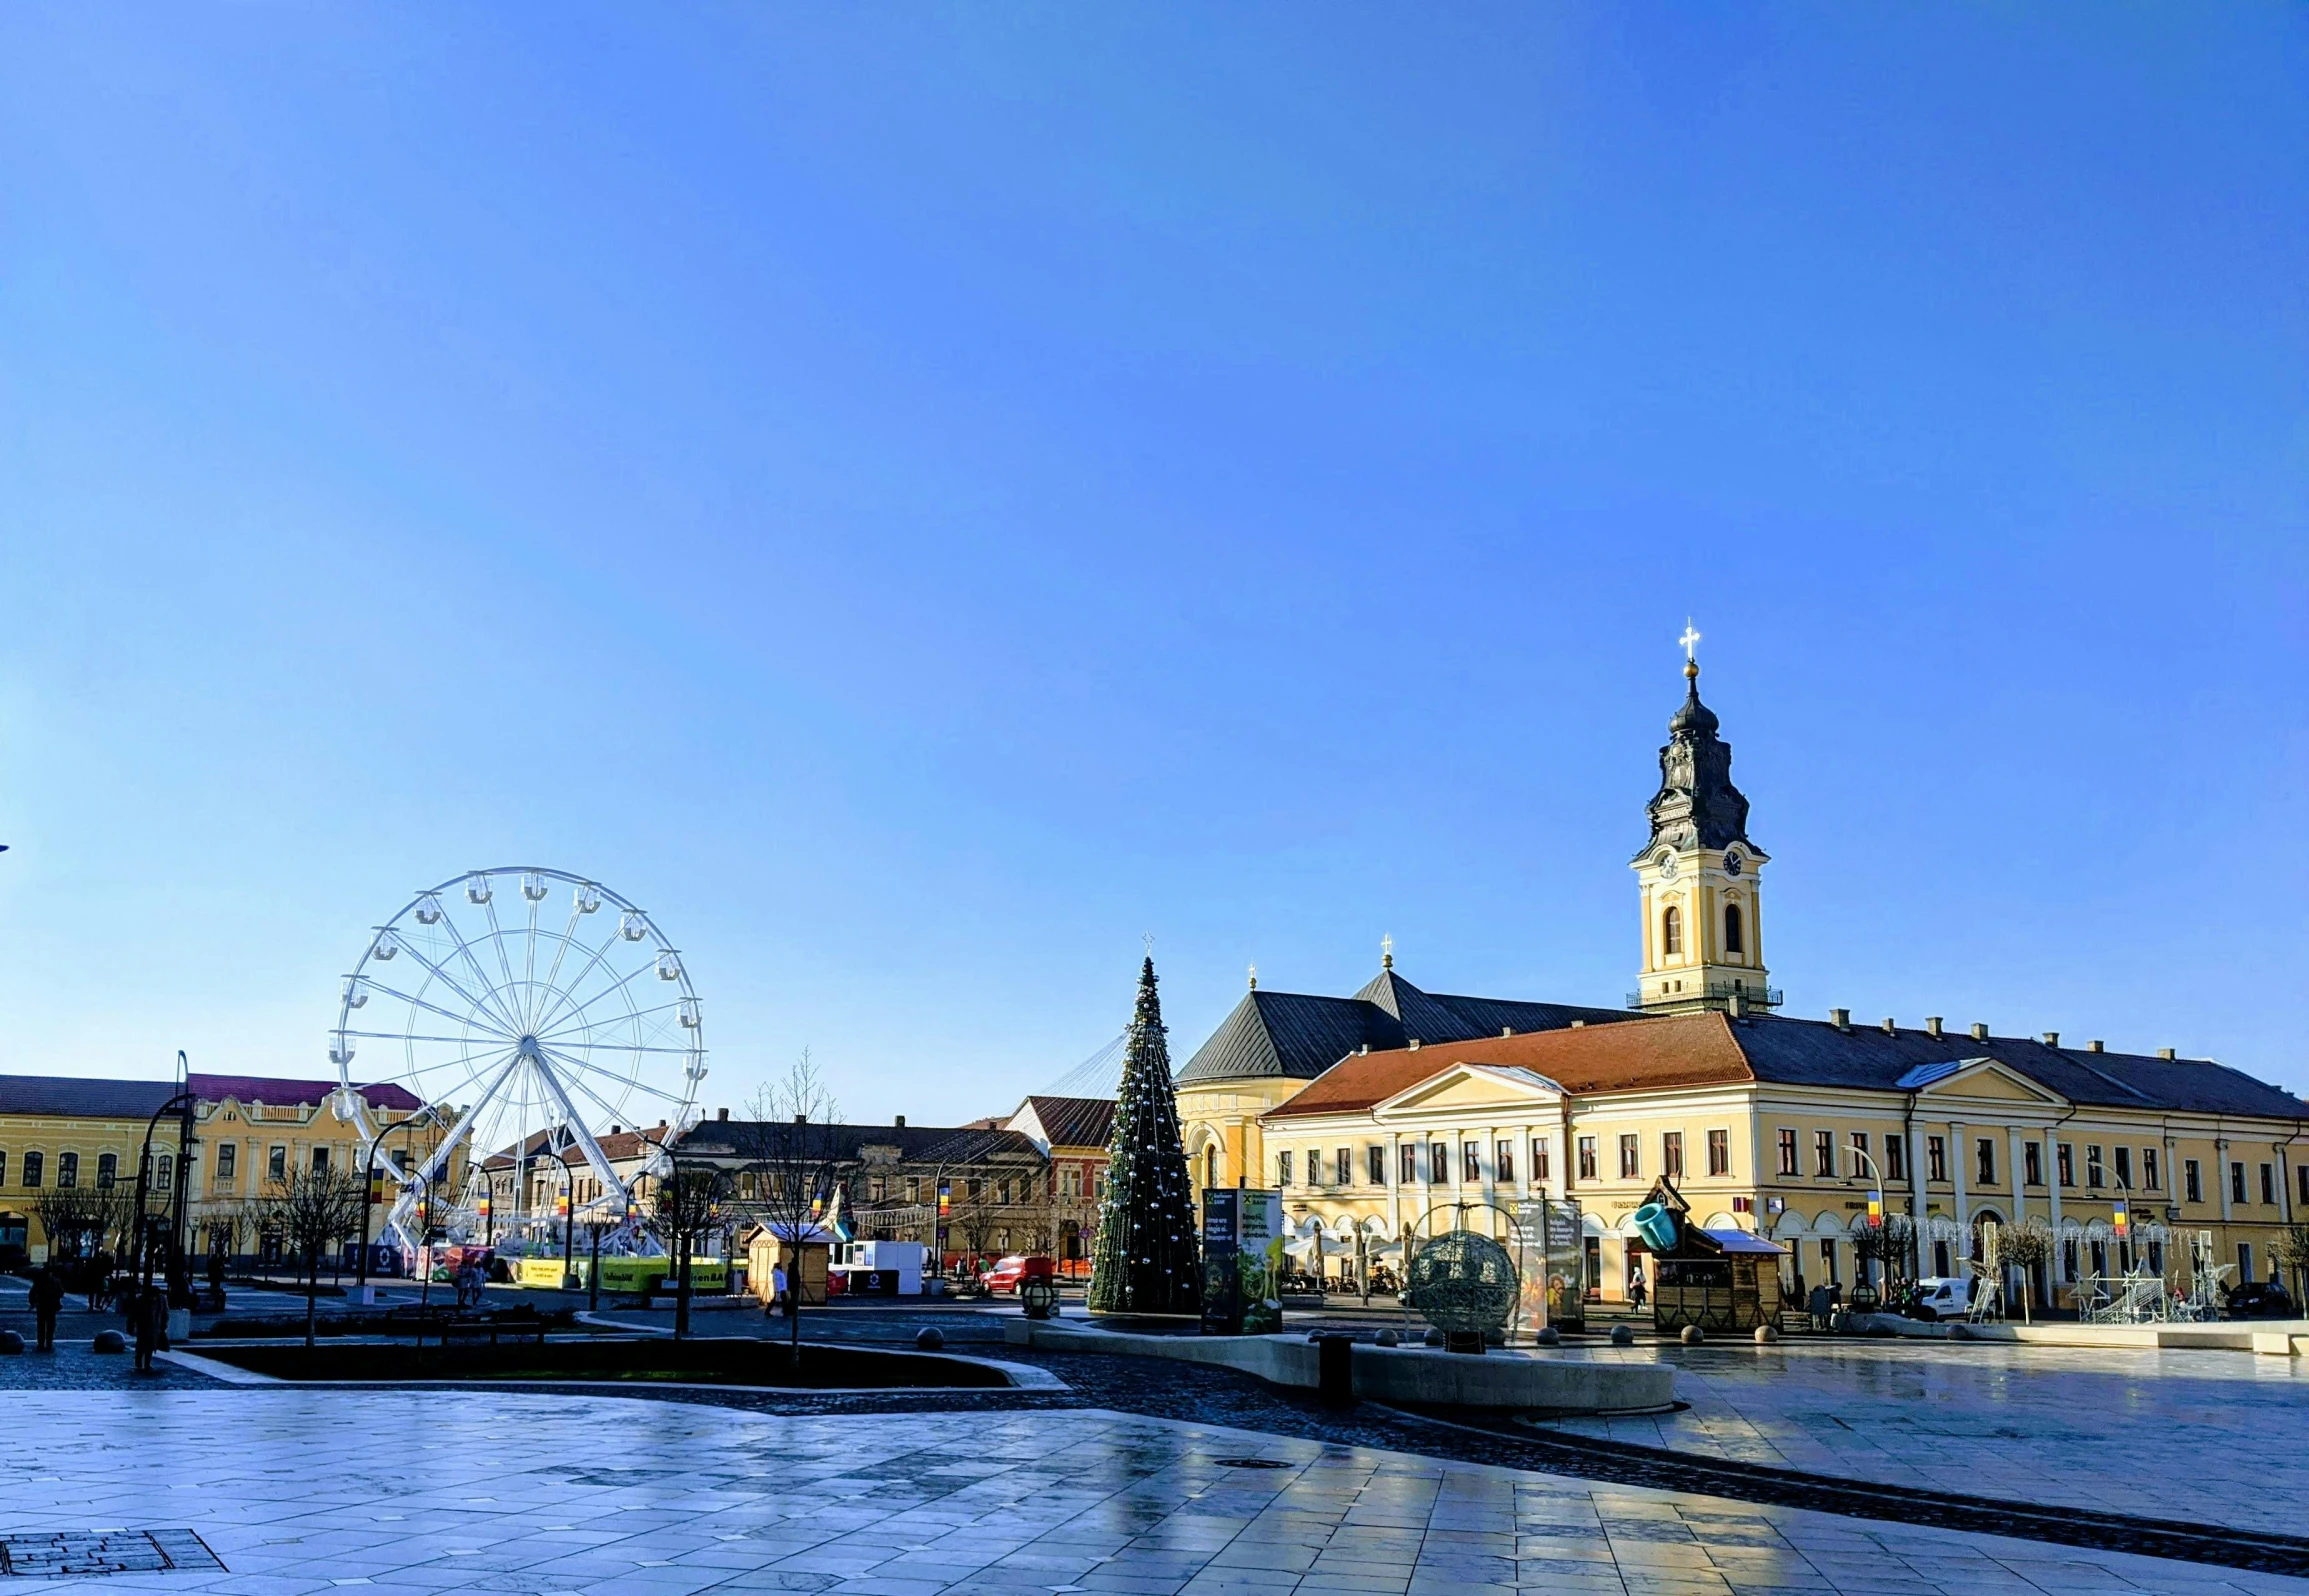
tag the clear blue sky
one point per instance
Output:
(920, 497)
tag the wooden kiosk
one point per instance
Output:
(1719, 1280)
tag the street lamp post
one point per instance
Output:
(568, 1214)
(1876, 1201)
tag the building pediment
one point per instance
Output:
(1976, 1079)
(1475, 1086)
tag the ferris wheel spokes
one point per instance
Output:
(482, 1005)
(607, 1074)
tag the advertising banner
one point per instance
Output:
(1259, 1261)
(1222, 1291)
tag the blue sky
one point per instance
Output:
(921, 497)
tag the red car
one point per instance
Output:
(1008, 1274)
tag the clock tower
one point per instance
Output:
(1699, 876)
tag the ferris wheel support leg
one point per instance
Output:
(576, 1126)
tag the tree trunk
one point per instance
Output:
(312, 1293)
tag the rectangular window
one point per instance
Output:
(320, 1160)
(1503, 1165)
(1539, 1160)
(1788, 1152)
(1344, 1166)
(67, 1171)
(878, 1190)
(107, 1171)
(1410, 1162)
(31, 1170)
(1314, 1166)
(1828, 1262)
(2096, 1176)
(1630, 1158)
(1672, 1154)
(1375, 1159)
(277, 1166)
(2032, 1162)
(1824, 1154)
(2244, 1260)
(1471, 1161)
(2193, 1179)
(2269, 1184)
(1984, 1160)
(2236, 1183)
(1895, 1158)
(1438, 1162)
(1586, 1160)
(1719, 1152)
(1860, 1159)
(4, 1169)
(2065, 1156)
(2124, 1169)
(914, 1188)
(1935, 1158)
(2301, 1180)
(401, 1159)
(2151, 1176)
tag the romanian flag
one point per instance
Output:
(945, 1199)
(481, 1208)
(561, 1204)
(1876, 1208)
(2122, 1219)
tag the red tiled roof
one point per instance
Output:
(1633, 1056)
(277, 1093)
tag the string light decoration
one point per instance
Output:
(1146, 1259)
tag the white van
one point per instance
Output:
(1943, 1297)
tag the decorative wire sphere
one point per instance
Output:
(1462, 1281)
(532, 1010)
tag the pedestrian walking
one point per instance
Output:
(777, 1288)
(47, 1299)
(1636, 1289)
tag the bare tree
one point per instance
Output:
(311, 1212)
(689, 1206)
(2024, 1247)
(2293, 1258)
(792, 1144)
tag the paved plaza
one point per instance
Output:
(2202, 1437)
(298, 1491)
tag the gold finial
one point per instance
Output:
(1690, 641)
(1387, 953)
(1254, 978)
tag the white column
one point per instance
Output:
(1957, 1163)
(2221, 1172)
(1523, 1140)
(1395, 1184)
(1919, 1190)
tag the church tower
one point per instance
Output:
(1699, 875)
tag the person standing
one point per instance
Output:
(47, 1299)
(149, 1317)
(777, 1285)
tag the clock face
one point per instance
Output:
(1731, 864)
(1667, 867)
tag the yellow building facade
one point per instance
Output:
(1378, 1113)
(63, 1133)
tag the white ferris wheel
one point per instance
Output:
(530, 1010)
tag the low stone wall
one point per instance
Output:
(1498, 1379)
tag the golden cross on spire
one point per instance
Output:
(1254, 978)
(1387, 953)
(1690, 639)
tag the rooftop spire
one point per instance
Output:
(1697, 805)
(1387, 953)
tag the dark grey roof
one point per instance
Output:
(1815, 1053)
(915, 1144)
(1697, 805)
(81, 1098)
(1300, 1036)
(1075, 1121)
(982, 1147)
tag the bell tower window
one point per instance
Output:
(1734, 941)
(1672, 932)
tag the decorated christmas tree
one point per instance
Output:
(1146, 1260)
